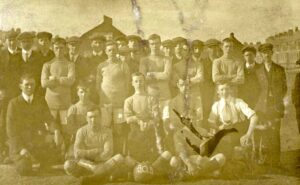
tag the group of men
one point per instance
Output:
(115, 108)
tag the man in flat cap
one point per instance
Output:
(44, 41)
(98, 56)
(121, 41)
(270, 106)
(168, 48)
(250, 90)
(296, 96)
(179, 49)
(80, 62)
(227, 68)
(9, 64)
(31, 61)
(134, 41)
(211, 52)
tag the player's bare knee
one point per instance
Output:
(175, 162)
(70, 167)
(220, 158)
(118, 158)
(166, 155)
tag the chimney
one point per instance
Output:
(290, 32)
(296, 29)
(107, 20)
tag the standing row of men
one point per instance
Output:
(159, 81)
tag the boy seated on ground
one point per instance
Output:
(189, 161)
(230, 112)
(141, 112)
(93, 151)
(76, 116)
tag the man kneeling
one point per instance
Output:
(93, 151)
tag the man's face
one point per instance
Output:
(167, 51)
(97, 45)
(185, 50)
(27, 86)
(93, 118)
(249, 57)
(154, 45)
(83, 94)
(223, 91)
(138, 82)
(11, 43)
(73, 48)
(178, 49)
(121, 43)
(133, 44)
(182, 86)
(26, 44)
(197, 50)
(59, 50)
(111, 51)
(228, 48)
(44, 42)
(267, 55)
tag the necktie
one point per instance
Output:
(26, 57)
(226, 113)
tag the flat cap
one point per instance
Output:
(198, 43)
(11, 35)
(167, 43)
(124, 50)
(59, 40)
(25, 36)
(110, 43)
(134, 37)
(249, 48)
(177, 40)
(212, 42)
(73, 40)
(265, 47)
(121, 38)
(98, 37)
(44, 34)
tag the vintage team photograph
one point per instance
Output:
(129, 92)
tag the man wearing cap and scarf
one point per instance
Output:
(9, 64)
(270, 106)
(296, 96)
(98, 56)
(208, 87)
(44, 41)
(79, 61)
(250, 90)
(30, 60)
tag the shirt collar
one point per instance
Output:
(27, 98)
(250, 66)
(11, 51)
(268, 66)
(97, 53)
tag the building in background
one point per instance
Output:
(286, 47)
(106, 28)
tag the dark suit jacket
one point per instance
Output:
(250, 90)
(277, 85)
(10, 71)
(296, 91)
(25, 121)
(46, 58)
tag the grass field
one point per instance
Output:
(290, 142)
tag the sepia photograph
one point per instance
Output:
(149, 92)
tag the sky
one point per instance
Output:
(251, 21)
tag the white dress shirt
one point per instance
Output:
(27, 98)
(26, 54)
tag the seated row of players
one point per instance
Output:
(94, 155)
